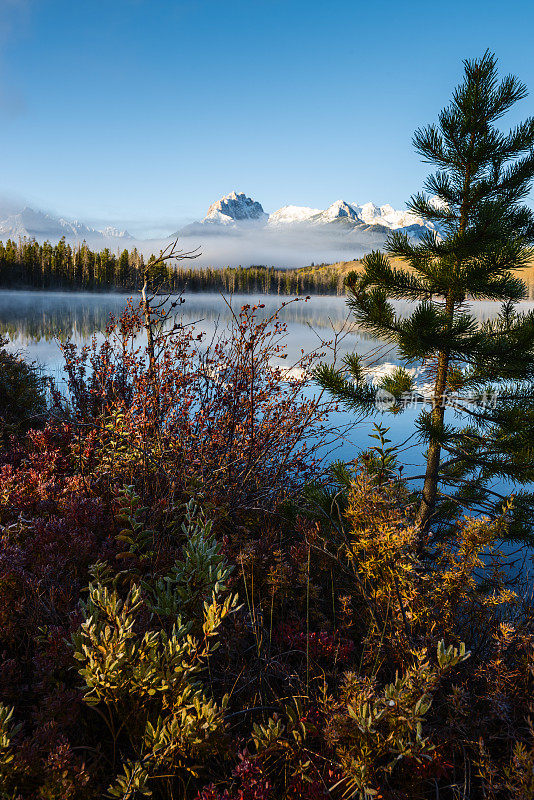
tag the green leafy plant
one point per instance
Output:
(8, 731)
(197, 579)
(145, 680)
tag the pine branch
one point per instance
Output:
(353, 396)
(398, 283)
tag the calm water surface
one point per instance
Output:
(36, 323)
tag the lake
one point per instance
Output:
(36, 322)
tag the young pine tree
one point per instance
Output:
(481, 234)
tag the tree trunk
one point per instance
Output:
(430, 486)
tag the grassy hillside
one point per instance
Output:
(341, 268)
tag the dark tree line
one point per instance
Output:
(62, 266)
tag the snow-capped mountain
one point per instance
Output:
(111, 232)
(338, 210)
(368, 214)
(237, 231)
(287, 215)
(236, 209)
(31, 224)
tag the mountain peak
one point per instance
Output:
(111, 232)
(289, 214)
(235, 207)
(34, 224)
(340, 209)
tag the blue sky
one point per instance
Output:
(143, 112)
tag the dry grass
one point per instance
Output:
(344, 267)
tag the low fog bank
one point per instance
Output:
(221, 246)
(269, 247)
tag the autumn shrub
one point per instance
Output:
(51, 531)
(225, 420)
(184, 615)
(351, 666)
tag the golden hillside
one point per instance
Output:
(342, 268)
